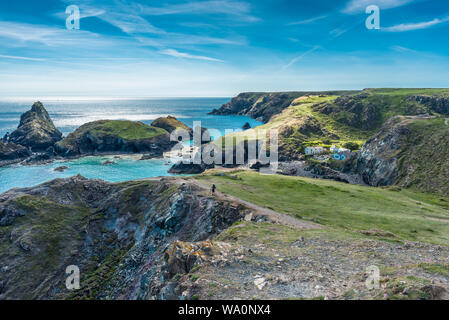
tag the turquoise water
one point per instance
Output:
(69, 115)
(125, 168)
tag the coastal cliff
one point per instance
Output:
(409, 152)
(117, 234)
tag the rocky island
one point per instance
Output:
(37, 140)
(114, 136)
(36, 130)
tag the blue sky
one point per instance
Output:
(146, 48)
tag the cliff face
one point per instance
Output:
(36, 130)
(377, 161)
(439, 104)
(121, 236)
(410, 152)
(115, 136)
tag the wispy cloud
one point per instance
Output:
(337, 32)
(356, 6)
(132, 18)
(307, 21)
(177, 54)
(402, 49)
(300, 57)
(415, 26)
(238, 9)
(20, 58)
(50, 36)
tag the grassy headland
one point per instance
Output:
(390, 213)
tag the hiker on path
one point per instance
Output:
(213, 188)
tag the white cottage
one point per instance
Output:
(314, 150)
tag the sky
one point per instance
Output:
(219, 48)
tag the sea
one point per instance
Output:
(68, 114)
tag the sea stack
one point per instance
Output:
(36, 130)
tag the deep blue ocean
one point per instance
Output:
(68, 115)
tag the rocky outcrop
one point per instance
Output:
(127, 238)
(113, 136)
(377, 161)
(189, 168)
(171, 124)
(438, 104)
(354, 110)
(36, 130)
(11, 151)
(409, 152)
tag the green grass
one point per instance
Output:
(126, 130)
(130, 130)
(408, 215)
(438, 268)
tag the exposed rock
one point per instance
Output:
(109, 136)
(12, 151)
(259, 282)
(39, 158)
(353, 110)
(149, 156)
(123, 237)
(257, 165)
(408, 151)
(438, 104)
(25, 245)
(246, 126)
(171, 124)
(436, 292)
(257, 105)
(377, 161)
(107, 163)
(36, 130)
(61, 169)
(189, 168)
(181, 257)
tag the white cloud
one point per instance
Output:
(415, 26)
(129, 17)
(177, 54)
(50, 36)
(20, 58)
(357, 6)
(307, 21)
(402, 49)
(225, 7)
(298, 58)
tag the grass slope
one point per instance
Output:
(391, 214)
